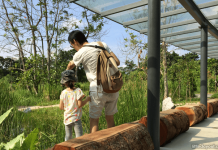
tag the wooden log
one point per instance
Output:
(126, 136)
(196, 112)
(213, 103)
(209, 109)
(172, 123)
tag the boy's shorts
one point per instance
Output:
(98, 102)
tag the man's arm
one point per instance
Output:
(71, 65)
(115, 58)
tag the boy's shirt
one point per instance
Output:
(72, 112)
(88, 56)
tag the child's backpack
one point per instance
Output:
(108, 73)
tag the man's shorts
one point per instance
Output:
(98, 102)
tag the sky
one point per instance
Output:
(113, 39)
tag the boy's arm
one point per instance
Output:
(82, 103)
(71, 65)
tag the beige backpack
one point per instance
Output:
(108, 74)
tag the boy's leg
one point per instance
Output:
(68, 132)
(95, 109)
(93, 125)
(110, 121)
(111, 108)
(78, 128)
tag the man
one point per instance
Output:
(99, 99)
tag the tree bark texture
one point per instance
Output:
(172, 123)
(212, 107)
(127, 136)
(196, 112)
(165, 70)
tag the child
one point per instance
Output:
(71, 102)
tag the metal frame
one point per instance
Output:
(177, 24)
(153, 85)
(195, 47)
(184, 39)
(197, 42)
(180, 33)
(171, 13)
(209, 49)
(196, 13)
(72, 1)
(124, 8)
(204, 45)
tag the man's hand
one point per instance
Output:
(71, 65)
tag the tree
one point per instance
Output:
(134, 45)
(30, 23)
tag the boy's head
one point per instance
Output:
(67, 78)
(76, 38)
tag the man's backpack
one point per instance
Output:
(108, 74)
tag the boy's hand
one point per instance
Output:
(89, 98)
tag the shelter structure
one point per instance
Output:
(188, 24)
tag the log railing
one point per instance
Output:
(135, 135)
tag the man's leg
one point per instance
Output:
(93, 125)
(110, 121)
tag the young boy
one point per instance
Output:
(71, 102)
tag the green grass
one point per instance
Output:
(214, 95)
(132, 105)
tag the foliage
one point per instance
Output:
(214, 95)
(19, 142)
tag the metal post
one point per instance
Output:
(153, 96)
(204, 44)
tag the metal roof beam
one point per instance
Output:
(124, 8)
(209, 49)
(185, 39)
(181, 23)
(72, 1)
(194, 47)
(171, 13)
(196, 13)
(180, 33)
(191, 43)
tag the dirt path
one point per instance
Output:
(22, 108)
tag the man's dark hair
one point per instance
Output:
(78, 36)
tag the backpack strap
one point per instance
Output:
(95, 46)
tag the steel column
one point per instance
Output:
(153, 91)
(204, 44)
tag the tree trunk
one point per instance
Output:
(215, 78)
(189, 91)
(179, 89)
(172, 123)
(186, 93)
(132, 135)
(196, 112)
(35, 84)
(48, 46)
(165, 70)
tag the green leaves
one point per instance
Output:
(2, 117)
(31, 140)
(15, 143)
